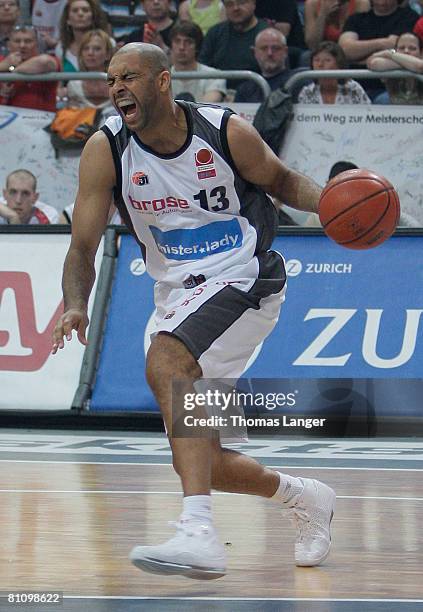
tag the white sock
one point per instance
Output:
(197, 507)
(288, 488)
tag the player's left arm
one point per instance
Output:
(257, 164)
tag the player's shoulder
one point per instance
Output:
(97, 159)
(210, 113)
(113, 123)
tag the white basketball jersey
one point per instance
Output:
(191, 211)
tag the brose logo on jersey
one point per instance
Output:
(169, 204)
(204, 161)
(140, 178)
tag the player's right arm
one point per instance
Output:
(89, 220)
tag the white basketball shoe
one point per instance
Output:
(194, 552)
(312, 512)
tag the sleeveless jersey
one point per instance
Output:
(191, 211)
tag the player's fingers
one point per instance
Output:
(58, 337)
(68, 325)
(82, 327)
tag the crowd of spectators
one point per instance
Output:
(276, 39)
(270, 38)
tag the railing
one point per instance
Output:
(306, 75)
(239, 75)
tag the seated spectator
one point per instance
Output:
(271, 53)
(284, 16)
(24, 56)
(156, 30)
(185, 43)
(313, 220)
(79, 16)
(324, 19)
(229, 45)
(21, 199)
(46, 15)
(9, 17)
(375, 30)
(407, 55)
(329, 56)
(95, 52)
(205, 13)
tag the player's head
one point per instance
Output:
(20, 193)
(341, 166)
(139, 84)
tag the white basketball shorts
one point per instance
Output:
(224, 319)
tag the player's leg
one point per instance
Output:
(311, 502)
(168, 359)
(195, 551)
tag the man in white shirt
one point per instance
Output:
(186, 39)
(21, 205)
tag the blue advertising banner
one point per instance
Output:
(349, 315)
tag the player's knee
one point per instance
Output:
(167, 359)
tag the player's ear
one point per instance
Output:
(164, 80)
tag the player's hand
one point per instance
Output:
(70, 320)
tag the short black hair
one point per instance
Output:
(190, 30)
(341, 166)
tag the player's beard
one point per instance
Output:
(147, 109)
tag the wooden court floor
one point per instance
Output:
(69, 521)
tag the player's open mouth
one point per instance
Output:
(128, 108)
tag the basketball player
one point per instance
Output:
(190, 181)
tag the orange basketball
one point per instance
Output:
(359, 209)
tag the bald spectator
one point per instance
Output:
(185, 43)
(21, 205)
(9, 16)
(24, 57)
(271, 53)
(229, 45)
(284, 16)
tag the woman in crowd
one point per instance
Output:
(324, 19)
(329, 56)
(94, 55)
(407, 55)
(79, 16)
